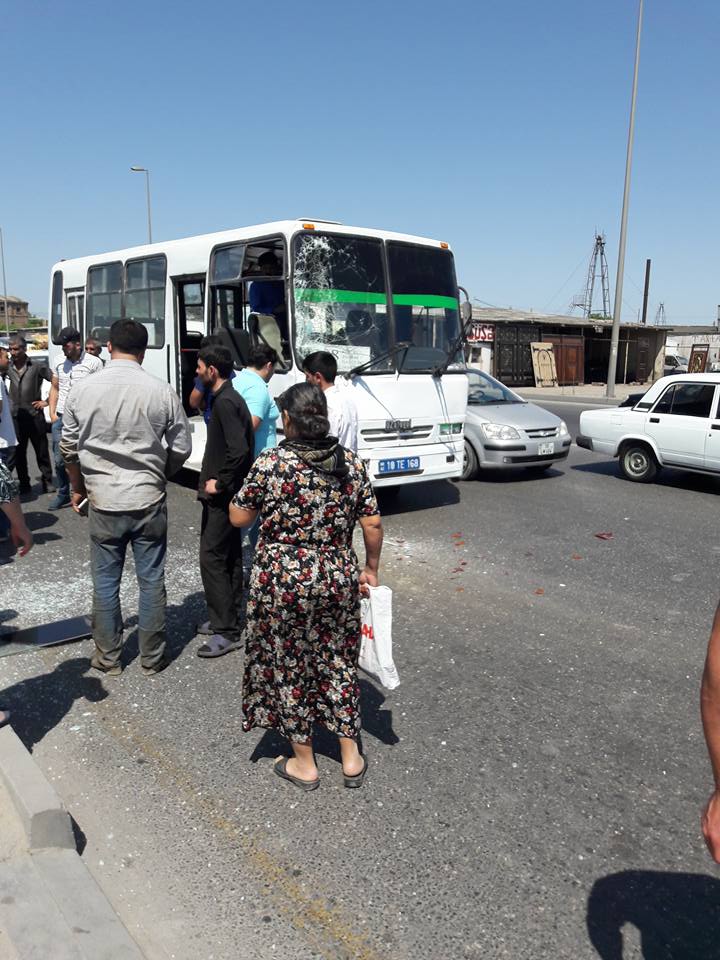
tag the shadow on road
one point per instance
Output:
(394, 501)
(667, 477)
(375, 722)
(676, 914)
(38, 704)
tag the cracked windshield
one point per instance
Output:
(341, 300)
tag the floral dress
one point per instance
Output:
(303, 611)
(8, 487)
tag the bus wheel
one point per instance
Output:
(470, 463)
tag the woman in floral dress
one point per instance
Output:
(303, 611)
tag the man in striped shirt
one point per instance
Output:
(77, 365)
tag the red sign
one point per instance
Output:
(481, 333)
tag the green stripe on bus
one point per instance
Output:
(424, 300)
(324, 295)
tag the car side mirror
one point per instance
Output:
(465, 311)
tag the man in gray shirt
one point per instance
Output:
(124, 433)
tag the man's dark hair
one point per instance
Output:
(323, 363)
(261, 355)
(269, 259)
(218, 357)
(128, 336)
(94, 340)
(18, 340)
(212, 339)
(306, 406)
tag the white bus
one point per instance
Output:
(385, 304)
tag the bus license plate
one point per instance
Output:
(544, 449)
(400, 465)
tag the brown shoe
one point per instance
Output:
(113, 671)
(156, 668)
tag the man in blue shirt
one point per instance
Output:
(201, 396)
(252, 385)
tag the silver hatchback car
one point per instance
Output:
(502, 430)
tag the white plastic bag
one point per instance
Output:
(376, 637)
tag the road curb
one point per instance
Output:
(45, 821)
(52, 881)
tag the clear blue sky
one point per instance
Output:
(498, 125)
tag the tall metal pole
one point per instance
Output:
(147, 191)
(5, 296)
(612, 363)
(646, 291)
(147, 196)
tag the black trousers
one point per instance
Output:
(31, 428)
(221, 566)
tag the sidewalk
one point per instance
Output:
(50, 906)
(592, 393)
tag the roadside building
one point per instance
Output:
(17, 313)
(499, 343)
(684, 338)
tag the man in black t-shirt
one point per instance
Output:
(227, 460)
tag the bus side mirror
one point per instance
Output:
(465, 311)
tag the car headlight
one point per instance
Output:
(564, 432)
(500, 431)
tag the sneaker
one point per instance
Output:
(114, 671)
(59, 502)
(25, 487)
(157, 668)
(48, 487)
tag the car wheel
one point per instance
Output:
(470, 463)
(638, 463)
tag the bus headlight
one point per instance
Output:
(450, 429)
(499, 431)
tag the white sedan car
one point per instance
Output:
(674, 424)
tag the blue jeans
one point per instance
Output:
(62, 481)
(110, 534)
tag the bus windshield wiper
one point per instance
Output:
(453, 348)
(404, 345)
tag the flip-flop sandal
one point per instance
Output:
(280, 768)
(218, 646)
(4, 717)
(357, 780)
(203, 629)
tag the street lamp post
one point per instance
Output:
(5, 296)
(147, 191)
(612, 363)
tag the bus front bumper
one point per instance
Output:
(397, 465)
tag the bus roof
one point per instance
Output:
(202, 245)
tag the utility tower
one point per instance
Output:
(660, 320)
(585, 302)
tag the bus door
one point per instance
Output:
(75, 310)
(190, 312)
(248, 304)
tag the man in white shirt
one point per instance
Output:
(77, 365)
(321, 369)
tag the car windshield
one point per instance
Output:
(484, 390)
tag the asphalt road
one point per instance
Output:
(535, 783)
